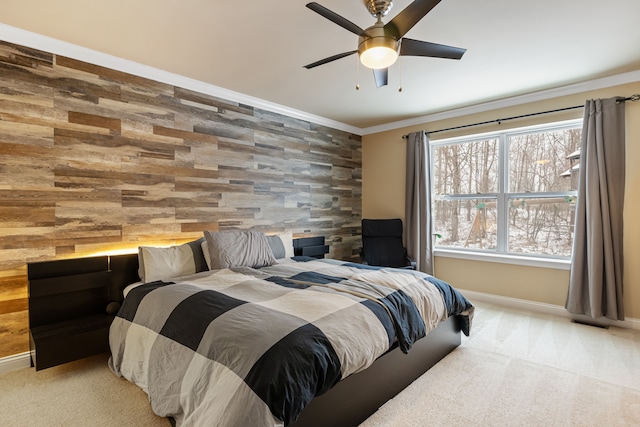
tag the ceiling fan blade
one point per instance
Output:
(410, 16)
(329, 59)
(410, 47)
(334, 17)
(382, 76)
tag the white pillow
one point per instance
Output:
(287, 242)
(165, 263)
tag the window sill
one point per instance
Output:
(555, 263)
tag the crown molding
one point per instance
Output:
(58, 47)
(601, 83)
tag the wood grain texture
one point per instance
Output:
(95, 160)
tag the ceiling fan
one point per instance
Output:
(380, 44)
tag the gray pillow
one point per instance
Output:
(238, 249)
(277, 247)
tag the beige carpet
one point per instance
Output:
(524, 369)
(80, 393)
(517, 369)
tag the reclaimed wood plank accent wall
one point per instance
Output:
(96, 160)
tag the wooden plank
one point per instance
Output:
(94, 120)
(14, 305)
(14, 333)
(190, 227)
(25, 56)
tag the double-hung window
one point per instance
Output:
(508, 193)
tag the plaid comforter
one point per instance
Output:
(252, 347)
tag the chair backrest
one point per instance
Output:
(382, 242)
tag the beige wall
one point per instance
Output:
(383, 170)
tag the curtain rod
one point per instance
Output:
(634, 97)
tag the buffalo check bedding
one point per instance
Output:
(252, 347)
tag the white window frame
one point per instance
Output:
(501, 255)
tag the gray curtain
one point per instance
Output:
(595, 287)
(418, 226)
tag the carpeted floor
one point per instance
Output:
(80, 393)
(517, 369)
(525, 369)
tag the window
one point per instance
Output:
(510, 193)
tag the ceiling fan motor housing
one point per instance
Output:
(379, 7)
(377, 37)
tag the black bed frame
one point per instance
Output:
(69, 319)
(358, 396)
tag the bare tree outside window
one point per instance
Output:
(512, 192)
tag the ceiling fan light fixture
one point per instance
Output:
(378, 57)
(378, 52)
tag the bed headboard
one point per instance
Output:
(74, 283)
(118, 271)
(124, 271)
(73, 301)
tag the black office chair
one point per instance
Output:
(382, 244)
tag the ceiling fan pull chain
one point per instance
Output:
(357, 73)
(400, 73)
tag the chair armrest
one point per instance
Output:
(410, 261)
(362, 260)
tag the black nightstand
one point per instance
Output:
(310, 246)
(67, 310)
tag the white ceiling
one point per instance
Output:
(258, 48)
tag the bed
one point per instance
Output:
(253, 336)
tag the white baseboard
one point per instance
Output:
(540, 307)
(15, 362)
